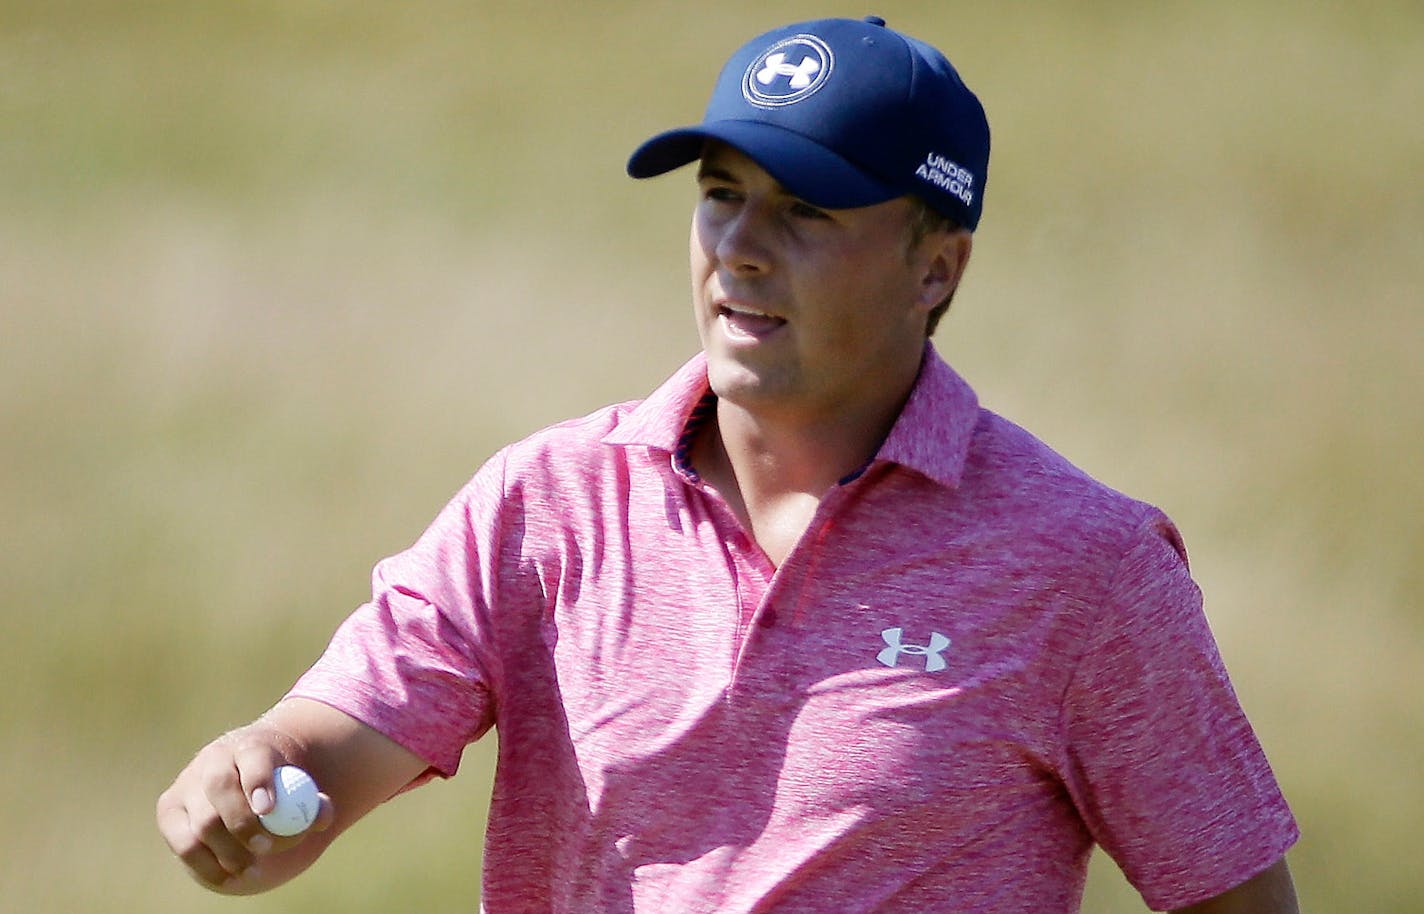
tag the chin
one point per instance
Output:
(742, 384)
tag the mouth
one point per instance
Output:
(745, 322)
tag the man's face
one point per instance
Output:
(806, 310)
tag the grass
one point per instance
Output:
(274, 278)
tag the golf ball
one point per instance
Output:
(295, 802)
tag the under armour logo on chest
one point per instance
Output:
(800, 74)
(890, 656)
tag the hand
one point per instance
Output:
(209, 814)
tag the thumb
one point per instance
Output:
(257, 760)
(261, 800)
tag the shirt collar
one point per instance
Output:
(660, 420)
(936, 425)
(931, 435)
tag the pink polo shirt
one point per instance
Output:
(976, 663)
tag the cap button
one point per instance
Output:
(874, 20)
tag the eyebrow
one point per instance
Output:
(705, 172)
(713, 172)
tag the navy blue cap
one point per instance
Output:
(843, 113)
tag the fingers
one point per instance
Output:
(182, 835)
(326, 816)
(209, 815)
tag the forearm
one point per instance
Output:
(358, 767)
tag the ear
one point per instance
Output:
(944, 256)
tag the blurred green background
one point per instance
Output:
(275, 277)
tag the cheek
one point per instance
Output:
(872, 305)
(864, 286)
(699, 252)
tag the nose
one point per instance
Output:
(742, 240)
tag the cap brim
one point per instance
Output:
(804, 167)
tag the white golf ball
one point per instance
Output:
(296, 802)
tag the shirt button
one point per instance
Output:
(768, 619)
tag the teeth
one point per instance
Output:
(750, 311)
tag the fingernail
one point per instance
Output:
(260, 844)
(261, 801)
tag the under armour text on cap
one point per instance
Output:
(843, 113)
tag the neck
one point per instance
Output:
(773, 474)
(772, 456)
(767, 452)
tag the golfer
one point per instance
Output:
(806, 629)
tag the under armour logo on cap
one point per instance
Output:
(890, 656)
(773, 80)
(800, 74)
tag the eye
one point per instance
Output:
(719, 193)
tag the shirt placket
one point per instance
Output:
(778, 598)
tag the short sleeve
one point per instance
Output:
(1161, 761)
(416, 662)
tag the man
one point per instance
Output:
(806, 629)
